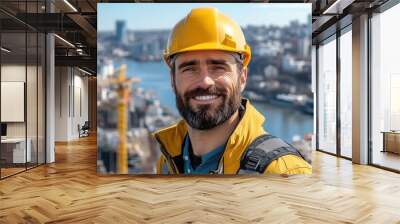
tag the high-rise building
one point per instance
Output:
(120, 32)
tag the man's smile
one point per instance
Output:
(205, 99)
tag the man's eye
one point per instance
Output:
(218, 68)
(188, 69)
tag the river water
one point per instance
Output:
(280, 121)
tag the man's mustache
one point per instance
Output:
(212, 90)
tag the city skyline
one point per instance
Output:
(262, 14)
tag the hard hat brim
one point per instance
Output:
(211, 46)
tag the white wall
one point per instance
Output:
(71, 93)
(61, 103)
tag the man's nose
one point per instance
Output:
(205, 78)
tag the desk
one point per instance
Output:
(17, 147)
(391, 141)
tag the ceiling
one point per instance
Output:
(330, 15)
(73, 20)
(76, 21)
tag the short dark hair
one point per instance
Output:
(239, 58)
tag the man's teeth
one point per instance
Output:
(208, 97)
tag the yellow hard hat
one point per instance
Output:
(207, 29)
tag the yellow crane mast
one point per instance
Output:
(123, 88)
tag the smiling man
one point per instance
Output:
(221, 132)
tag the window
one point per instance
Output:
(327, 96)
(385, 89)
(346, 93)
(23, 86)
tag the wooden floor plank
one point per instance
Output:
(70, 191)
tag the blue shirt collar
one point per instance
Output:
(209, 161)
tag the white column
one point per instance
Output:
(50, 99)
(360, 90)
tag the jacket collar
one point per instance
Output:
(249, 127)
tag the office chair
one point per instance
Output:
(84, 130)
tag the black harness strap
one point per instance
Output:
(262, 151)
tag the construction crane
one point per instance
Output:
(122, 85)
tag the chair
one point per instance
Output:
(84, 130)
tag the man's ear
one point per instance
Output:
(243, 79)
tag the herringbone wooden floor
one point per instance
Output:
(70, 191)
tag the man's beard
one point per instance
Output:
(207, 117)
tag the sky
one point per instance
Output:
(150, 16)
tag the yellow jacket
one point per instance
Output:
(249, 128)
